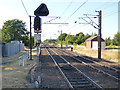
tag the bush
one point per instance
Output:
(83, 44)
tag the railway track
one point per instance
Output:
(89, 59)
(73, 76)
(86, 59)
(111, 72)
(107, 71)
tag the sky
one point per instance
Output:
(68, 11)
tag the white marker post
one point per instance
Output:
(39, 79)
(36, 84)
(20, 60)
(23, 62)
(25, 56)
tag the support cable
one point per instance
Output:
(24, 7)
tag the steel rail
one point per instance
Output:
(60, 69)
(99, 63)
(93, 67)
(88, 78)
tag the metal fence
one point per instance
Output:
(11, 49)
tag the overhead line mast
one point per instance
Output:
(96, 26)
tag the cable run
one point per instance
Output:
(24, 7)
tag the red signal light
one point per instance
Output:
(37, 28)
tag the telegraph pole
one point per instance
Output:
(30, 41)
(99, 34)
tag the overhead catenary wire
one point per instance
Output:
(76, 10)
(24, 8)
(71, 27)
(108, 6)
(107, 15)
(67, 8)
(114, 9)
(110, 13)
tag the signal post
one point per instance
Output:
(42, 10)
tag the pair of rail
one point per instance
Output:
(95, 62)
(66, 78)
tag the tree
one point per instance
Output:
(63, 37)
(94, 34)
(116, 39)
(26, 40)
(108, 41)
(74, 39)
(79, 34)
(87, 36)
(69, 39)
(14, 30)
(80, 39)
(50, 41)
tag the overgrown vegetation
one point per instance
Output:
(15, 30)
(113, 42)
(50, 41)
(79, 39)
